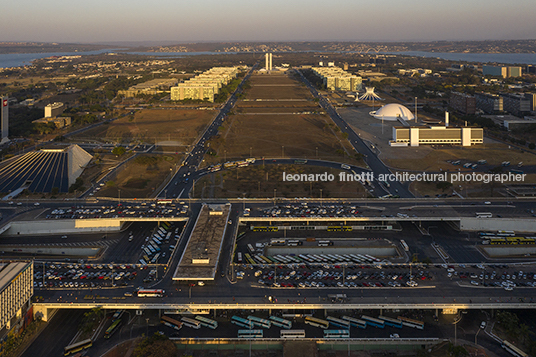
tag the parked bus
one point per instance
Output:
(404, 245)
(390, 321)
(111, 330)
(279, 322)
(250, 333)
(155, 258)
(513, 349)
(251, 249)
(336, 333)
(77, 347)
(372, 321)
(313, 321)
(338, 322)
(483, 215)
(355, 322)
(206, 322)
(292, 334)
(506, 233)
(151, 293)
(117, 315)
(191, 323)
(324, 243)
(239, 257)
(277, 241)
(169, 322)
(257, 321)
(411, 323)
(241, 322)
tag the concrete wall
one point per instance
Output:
(88, 252)
(495, 251)
(496, 224)
(66, 226)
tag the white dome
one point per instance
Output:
(392, 112)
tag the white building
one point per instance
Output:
(16, 290)
(54, 109)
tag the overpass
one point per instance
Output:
(45, 309)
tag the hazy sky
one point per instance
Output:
(270, 20)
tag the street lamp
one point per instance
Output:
(282, 151)
(320, 197)
(275, 192)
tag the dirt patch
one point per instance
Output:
(176, 127)
(258, 181)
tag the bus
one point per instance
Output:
(77, 347)
(300, 162)
(239, 257)
(336, 333)
(279, 322)
(250, 333)
(264, 229)
(339, 228)
(151, 293)
(251, 249)
(404, 245)
(338, 322)
(117, 315)
(257, 321)
(164, 201)
(111, 330)
(207, 322)
(292, 334)
(390, 321)
(485, 234)
(313, 321)
(373, 322)
(168, 236)
(506, 233)
(241, 322)
(355, 322)
(411, 323)
(169, 322)
(191, 323)
(324, 243)
(513, 349)
(483, 215)
(294, 242)
(277, 241)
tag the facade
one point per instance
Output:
(204, 86)
(502, 71)
(60, 122)
(516, 104)
(335, 78)
(436, 135)
(151, 87)
(4, 118)
(489, 103)
(268, 61)
(54, 109)
(16, 290)
(462, 103)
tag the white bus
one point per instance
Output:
(292, 333)
(483, 215)
(191, 323)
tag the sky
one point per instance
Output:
(272, 20)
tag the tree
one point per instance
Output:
(119, 151)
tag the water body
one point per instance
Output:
(21, 59)
(510, 58)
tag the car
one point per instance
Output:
(394, 335)
(487, 203)
(474, 283)
(37, 204)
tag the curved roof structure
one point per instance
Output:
(369, 95)
(392, 112)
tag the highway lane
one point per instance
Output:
(372, 160)
(58, 334)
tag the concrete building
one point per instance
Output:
(204, 86)
(489, 103)
(16, 290)
(516, 104)
(436, 135)
(335, 78)
(462, 103)
(60, 122)
(502, 71)
(54, 109)
(4, 119)
(511, 122)
(268, 61)
(152, 87)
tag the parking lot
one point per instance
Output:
(144, 209)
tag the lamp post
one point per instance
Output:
(320, 197)
(282, 151)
